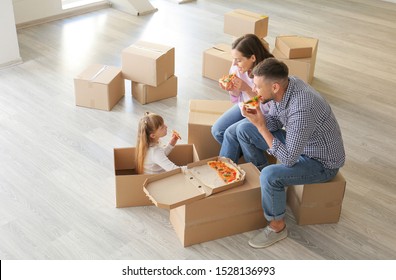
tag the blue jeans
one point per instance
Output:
(245, 139)
(274, 178)
(226, 121)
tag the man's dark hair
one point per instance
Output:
(272, 69)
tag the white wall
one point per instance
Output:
(33, 10)
(9, 48)
(30, 10)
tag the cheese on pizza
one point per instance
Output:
(253, 103)
(226, 171)
(227, 81)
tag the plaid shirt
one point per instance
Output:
(310, 125)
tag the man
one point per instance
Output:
(300, 130)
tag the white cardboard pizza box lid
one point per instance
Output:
(175, 188)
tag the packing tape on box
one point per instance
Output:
(218, 49)
(99, 72)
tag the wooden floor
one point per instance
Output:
(57, 184)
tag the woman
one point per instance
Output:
(247, 51)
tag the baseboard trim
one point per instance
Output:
(11, 63)
(68, 13)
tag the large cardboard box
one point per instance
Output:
(99, 86)
(202, 115)
(226, 213)
(317, 203)
(217, 61)
(293, 46)
(129, 185)
(148, 63)
(304, 68)
(145, 94)
(240, 22)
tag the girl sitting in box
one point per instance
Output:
(151, 155)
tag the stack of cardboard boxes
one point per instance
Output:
(151, 69)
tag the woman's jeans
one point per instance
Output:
(226, 121)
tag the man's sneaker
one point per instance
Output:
(267, 237)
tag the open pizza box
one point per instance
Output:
(177, 187)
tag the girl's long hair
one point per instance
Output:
(147, 125)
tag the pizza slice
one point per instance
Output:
(177, 134)
(253, 103)
(227, 81)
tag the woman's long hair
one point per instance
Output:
(250, 44)
(147, 125)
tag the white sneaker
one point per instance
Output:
(267, 237)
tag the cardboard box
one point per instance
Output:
(303, 68)
(240, 22)
(266, 45)
(146, 94)
(129, 185)
(99, 86)
(226, 213)
(202, 115)
(148, 63)
(317, 203)
(174, 188)
(217, 61)
(293, 46)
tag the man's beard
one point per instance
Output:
(266, 100)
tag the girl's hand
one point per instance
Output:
(175, 138)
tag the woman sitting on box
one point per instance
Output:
(151, 155)
(247, 52)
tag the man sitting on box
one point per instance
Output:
(300, 130)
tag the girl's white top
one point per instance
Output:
(157, 160)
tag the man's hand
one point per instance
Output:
(255, 116)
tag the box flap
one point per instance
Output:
(172, 189)
(294, 46)
(98, 73)
(148, 49)
(220, 49)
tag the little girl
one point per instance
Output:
(151, 156)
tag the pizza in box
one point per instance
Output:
(218, 172)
